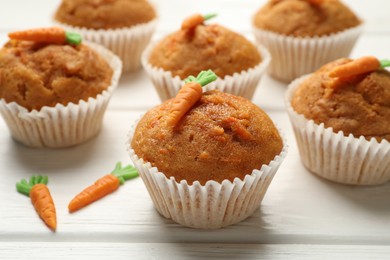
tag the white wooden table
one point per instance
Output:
(301, 217)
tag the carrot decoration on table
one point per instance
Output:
(40, 197)
(188, 95)
(55, 35)
(195, 20)
(356, 68)
(103, 186)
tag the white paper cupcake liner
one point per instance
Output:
(127, 43)
(339, 158)
(210, 206)
(293, 57)
(241, 84)
(62, 126)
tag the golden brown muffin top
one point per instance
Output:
(104, 14)
(187, 52)
(36, 75)
(305, 19)
(360, 107)
(222, 137)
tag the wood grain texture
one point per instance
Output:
(163, 251)
(301, 217)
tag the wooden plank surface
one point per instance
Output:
(161, 251)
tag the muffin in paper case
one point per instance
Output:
(210, 206)
(333, 156)
(293, 57)
(62, 125)
(242, 84)
(127, 43)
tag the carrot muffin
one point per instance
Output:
(304, 18)
(346, 104)
(123, 26)
(299, 31)
(368, 95)
(222, 137)
(214, 47)
(198, 46)
(104, 14)
(38, 74)
(217, 141)
(53, 93)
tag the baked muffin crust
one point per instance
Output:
(188, 52)
(222, 137)
(36, 75)
(360, 107)
(104, 14)
(303, 19)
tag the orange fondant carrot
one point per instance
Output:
(55, 35)
(103, 186)
(188, 95)
(359, 66)
(40, 197)
(195, 20)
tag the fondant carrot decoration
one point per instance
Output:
(40, 197)
(356, 67)
(195, 20)
(188, 95)
(350, 70)
(55, 35)
(103, 186)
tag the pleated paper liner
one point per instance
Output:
(293, 57)
(62, 125)
(333, 156)
(127, 43)
(210, 206)
(242, 84)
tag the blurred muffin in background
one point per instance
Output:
(302, 35)
(197, 46)
(123, 26)
(54, 94)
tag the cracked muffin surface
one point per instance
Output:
(104, 14)
(360, 107)
(188, 52)
(36, 75)
(221, 137)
